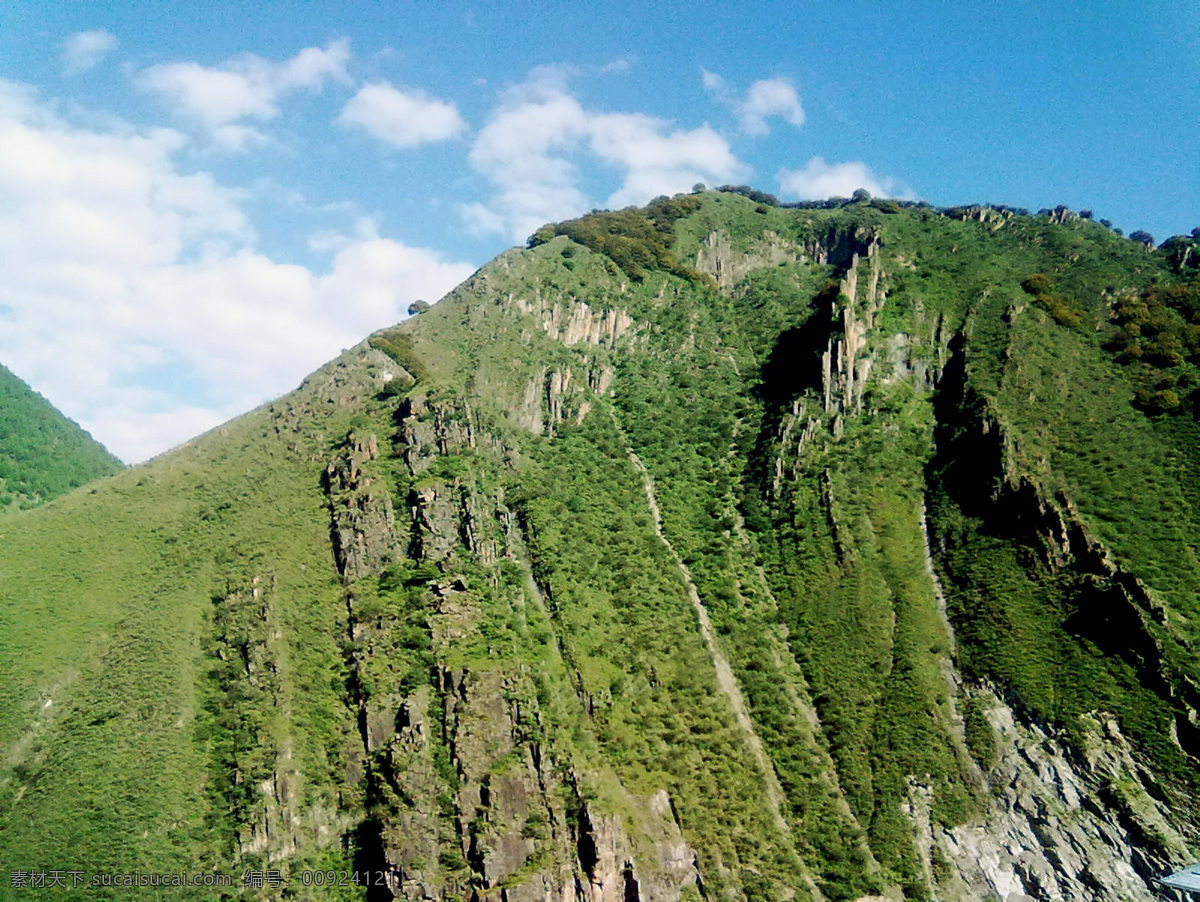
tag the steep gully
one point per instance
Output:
(725, 678)
(479, 717)
(1054, 828)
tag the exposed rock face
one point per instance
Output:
(577, 323)
(519, 822)
(727, 265)
(1059, 826)
(767, 589)
(550, 397)
(846, 363)
(363, 520)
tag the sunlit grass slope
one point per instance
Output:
(633, 407)
(42, 453)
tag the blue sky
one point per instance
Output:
(200, 203)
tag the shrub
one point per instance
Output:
(1063, 311)
(399, 346)
(541, 236)
(1154, 403)
(638, 241)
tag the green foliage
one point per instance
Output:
(637, 240)
(399, 346)
(42, 453)
(981, 738)
(1063, 310)
(1158, 337)
(196, 645)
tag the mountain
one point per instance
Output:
(713, 550)
(42, 453)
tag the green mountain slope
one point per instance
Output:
(714, 550)
(42, 453)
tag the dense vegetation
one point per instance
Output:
(42, 453)
(774, 552)
(638, 241)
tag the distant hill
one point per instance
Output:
(42, 453)
(717, 550)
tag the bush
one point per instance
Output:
(638, 241)
(541, 236)
(1063, 311)
(399, 346)
(1154, 403)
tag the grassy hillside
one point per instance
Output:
(42, 453)
(676, 556)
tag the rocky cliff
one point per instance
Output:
(780, 559)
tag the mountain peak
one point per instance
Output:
(717, 548)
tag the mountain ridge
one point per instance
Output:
(455, 611)
(42, 453)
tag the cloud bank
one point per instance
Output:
(220, 99)
(135, 297)
(530, 149)
(819, 180)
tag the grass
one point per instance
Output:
(42, 453)
(195, 642)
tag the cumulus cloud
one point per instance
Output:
(658, 160)
(530, 148)
(245, 87)
(819, 180)
(85, 50)
(401, 119)
(767, 98)
(523, 151)
(134, 296)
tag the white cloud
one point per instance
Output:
(212, 96)
(245, 87)
(657, 160)
(85, 50)
(401, 119)
(819, 180)
(529, 148)
(133, 295)
(714, 83)
(771, 97)
(312, 67)
(767, 98)
(522, 152)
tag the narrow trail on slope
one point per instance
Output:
(725, 678)
(946, 661)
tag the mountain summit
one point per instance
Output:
(712, 550)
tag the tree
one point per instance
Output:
(541, 236)
(417, 307)
(1142, 237)
(861, 194)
